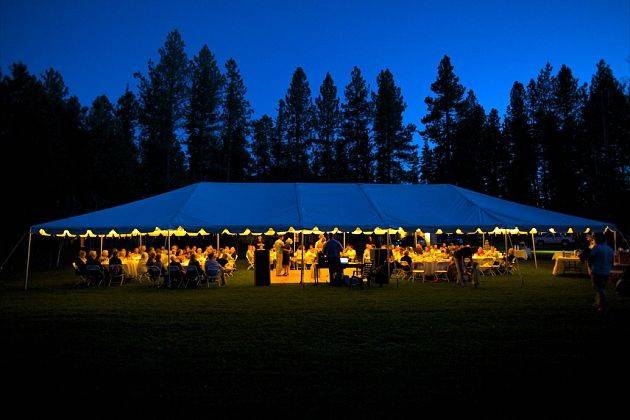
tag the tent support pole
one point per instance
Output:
(534, 251)
(28, 259)
(615, 239)
(168, 252)
(140, 240)
(101, 246)
(506, 244)
(344, 239)
(387, 259)
(302, 270)
(217, 241)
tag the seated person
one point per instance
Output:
(366, 253)
(155, 264)
(142, 263)
(81, 262)
(214, 269)
(135, 252)
(115, 259)
(406, 258)
(510, 257)
(480, 251)
(194, 263)
(104, 258)
(122, 254)
(351, 253)
(92, 259)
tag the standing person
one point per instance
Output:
(286, 257)
(600, 262)
(332, 249)
(278, 248)
(259, 243)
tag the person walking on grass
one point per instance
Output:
(600, 262)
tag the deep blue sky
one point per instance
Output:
(98, 45)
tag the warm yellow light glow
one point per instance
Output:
(439, 232)
(357, 231)
(533, 231)
(587, 230)
(112, 234)
(552, 230)
(270, 232)
(43, 232)
(245, 232)
(65, 234)
(459, 231)
(570, 230)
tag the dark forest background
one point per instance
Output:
(562, 144)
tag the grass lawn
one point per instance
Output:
(312, 351)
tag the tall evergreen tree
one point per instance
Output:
(355, 128)
(236, 125)
(494, 153)
(162, 96)
(544, 126)
(203, 120)
(326, 151)
(607, 134)
(441, 120)
(101, 126)
(467, 154)
(262, 143)
(427, 167)
(564, 168)
(394, 148)
(126, 112)
(278, 144)
(521, 176)
(298, 114)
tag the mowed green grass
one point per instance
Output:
(313, 350)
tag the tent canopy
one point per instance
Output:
(237, 207)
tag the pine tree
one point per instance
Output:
(101, 126)
(467, 154)
(279, 155)
(494, 153)
(544, 126)
(126, 156)
(607, 147)
(326, 149)
(521, 176)
(203, 120)
(262, 162)
(441, 120)
(236, 125)
(393, 141)
(427, 167)
(355, 128)
(162, 95)
(563, 165)
(299, 126)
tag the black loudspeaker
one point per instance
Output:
(262, 275)
(379, 265)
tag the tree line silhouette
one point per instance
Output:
(562, 144)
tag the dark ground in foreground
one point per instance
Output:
(318, 350)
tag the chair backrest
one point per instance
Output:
(173, 270)
(154, 270)
(441, 266)
(418, 265)
(93, 269)
(192, 270)
(116, 270)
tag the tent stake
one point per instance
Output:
(28, 259)
(534, 251)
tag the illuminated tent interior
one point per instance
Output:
(254, 208)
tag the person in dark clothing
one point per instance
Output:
(81, 263)
(92, 259)
(115, 260)
(332, 250)
(406, 258)
(459, 256)
(600, 262)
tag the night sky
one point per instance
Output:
(98, 45)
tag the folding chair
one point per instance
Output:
(82, 278)
(174, 276)
(192, 276)
(417, 269)
(116, 274)
(213, 276)
(485, 266)
(143, 272)
(441, 270)
(94, 275)
(154, 273)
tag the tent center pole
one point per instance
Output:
(344, 239)
(534, 251)
(303, 263)
(387, 259)
(217, 241)
(101, 246)
(28, 259)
